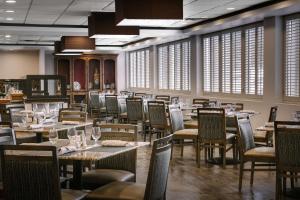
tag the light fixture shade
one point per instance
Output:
(77, 44)
(148, 12)
(102, 25)
(58, 52)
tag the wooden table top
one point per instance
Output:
(59, 126)
(92, 152)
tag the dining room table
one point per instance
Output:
(92, 152)
(43, 129)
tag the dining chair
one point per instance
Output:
(266, 137)
(95, 104)
(112, 108)
(156, 185)
(121, 167)
(287, 151)
(212, 133)
(249, 152)
(31, 172)
(200, 101)
(72, 115)
(174, 100)
(78, 106)
(15, 117)
(139, 94)
(178, 130)
(7, 136)
(136, 115)
(157, 118)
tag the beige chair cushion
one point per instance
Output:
(118, 190)
(192, 124)
(230, 136)
(67, 194)
(99, 177)
(268, 152)
(260, 134)
(103, 109)
(123, 115)
(186, 132)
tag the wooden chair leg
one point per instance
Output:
(224, 156)
(206, 151)
(241, 175)
(252, 173)
(278, 186)
(292, 180)
(199, 154)
(284, 184)
(182, 141)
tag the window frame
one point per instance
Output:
(220, 33)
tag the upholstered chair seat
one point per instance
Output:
(119, 190)
(99, 177)
(265, 152)
(68, 194)
(186, 133)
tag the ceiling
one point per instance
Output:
(41, 22)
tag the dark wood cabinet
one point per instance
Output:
(92, 72)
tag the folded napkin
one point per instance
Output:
(16, 124)
(114, 143)
(26, 111)
(269, 124)
(49, 121)
(247, 111)
(35, 126)
(70, 123)
(66, 149)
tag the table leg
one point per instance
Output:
(77, 174)
(39, 137)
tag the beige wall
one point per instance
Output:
(18, 64)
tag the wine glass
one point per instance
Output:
(78, 138)
(96, 134)
(53, 136)
(71, 136)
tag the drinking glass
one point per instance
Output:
(53, 136)
(78, 138)
(72, 136)
(96, 134)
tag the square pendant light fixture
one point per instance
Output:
(103, 25)
(77, 44)
(57, 50)
(151, 13)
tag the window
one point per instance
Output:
(174, 66)
(139, 72)
(223, 55)
(292, 50)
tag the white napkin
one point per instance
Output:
(35, 126)
(269, 124)
(247, 111)
(16, 124)
(70, 123)
(49, 121)
(114, 143)
(66, 149)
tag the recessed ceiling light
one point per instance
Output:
(7, 36)
(9, 11)
(9, 18)
(10, 1)
(230, 8)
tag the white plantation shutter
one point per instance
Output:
(139, 68)
(254, 62)
(211, 64)
(236, 87)
(292, 51)
(226, 62)
(222, 61)
(174, 65)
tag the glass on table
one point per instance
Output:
(79, 138)
(53, 136)
(96, 134)
(72, 136)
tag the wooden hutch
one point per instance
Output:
(94, 72)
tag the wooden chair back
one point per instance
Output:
(156, 185)
(157, 114)
(125, 132)
(211, 124)
(30, 172)
(71, 115)
(135, 110)
(273, 114)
